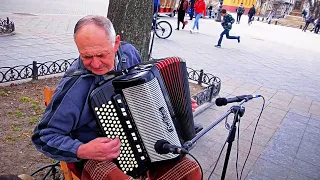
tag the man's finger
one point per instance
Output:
(103, 139)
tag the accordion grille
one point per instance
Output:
(152, 118)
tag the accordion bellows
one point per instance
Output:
(137, 108)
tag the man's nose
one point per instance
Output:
(96, 63)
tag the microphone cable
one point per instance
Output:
(254, 132)
(238, 135)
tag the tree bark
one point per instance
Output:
(132, 20)
(311, 6)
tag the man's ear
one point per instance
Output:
(117, 43)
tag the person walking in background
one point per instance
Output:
(308, 21)
(210, 9)
(317, 26)
(270, 16)
(304, 14)
(183, 6)
(240, 11)
(191, 9)
(251, 13)
(199, 9)
(226, 23)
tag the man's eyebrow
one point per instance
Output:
(85, 54)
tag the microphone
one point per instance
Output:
(164, 147)
(225, 101)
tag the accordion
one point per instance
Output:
(151, 102)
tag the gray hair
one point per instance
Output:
(100, 21)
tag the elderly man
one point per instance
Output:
(68, 130)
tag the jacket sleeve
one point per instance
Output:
(51, 135)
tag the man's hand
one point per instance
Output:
(229, 24)
(101, 149)
(194, 104)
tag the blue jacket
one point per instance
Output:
(68, 120)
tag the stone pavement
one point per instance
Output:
(278, 62)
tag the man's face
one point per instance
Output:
(96, 49)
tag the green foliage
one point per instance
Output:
(4, 94)
(15, 127)
(25, 99)
(19, 114)
(34, 120)
(35, 106)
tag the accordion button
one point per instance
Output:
(136, 166)
(100, 117)
(131, 169)
(115, 114)
(102, 113)
(101, 109)
(103, 105)
(124, 114)
(111, 106)
(98, 113)
(139, 150)
(119, 101)
(135, 138)
(129, 126)
(107, 106)
(109, 102)
(123, 110)
(96, 108)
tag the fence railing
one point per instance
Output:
(34, 70)
(211, 83)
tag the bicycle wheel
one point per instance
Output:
(163, 29)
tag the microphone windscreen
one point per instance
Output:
(221, 101)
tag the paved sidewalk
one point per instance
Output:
(278, 62)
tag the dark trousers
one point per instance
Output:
(181, 14)
(306, 26)
(238, 17)
(250, 18)
(226, 32)
(317, 28)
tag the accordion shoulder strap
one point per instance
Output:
(122, 57)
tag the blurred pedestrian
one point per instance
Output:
(199, 9)
(251, 13)
(183, 6)
(309, 20)
(240, 10)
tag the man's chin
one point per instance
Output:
(99, 72)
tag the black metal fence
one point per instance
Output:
(6, 26)
(211, 83)
(34, 70)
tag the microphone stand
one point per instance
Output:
(238, 111)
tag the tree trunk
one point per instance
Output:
(132, 20)
(311, 9)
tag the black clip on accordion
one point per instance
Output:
(151, 102)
